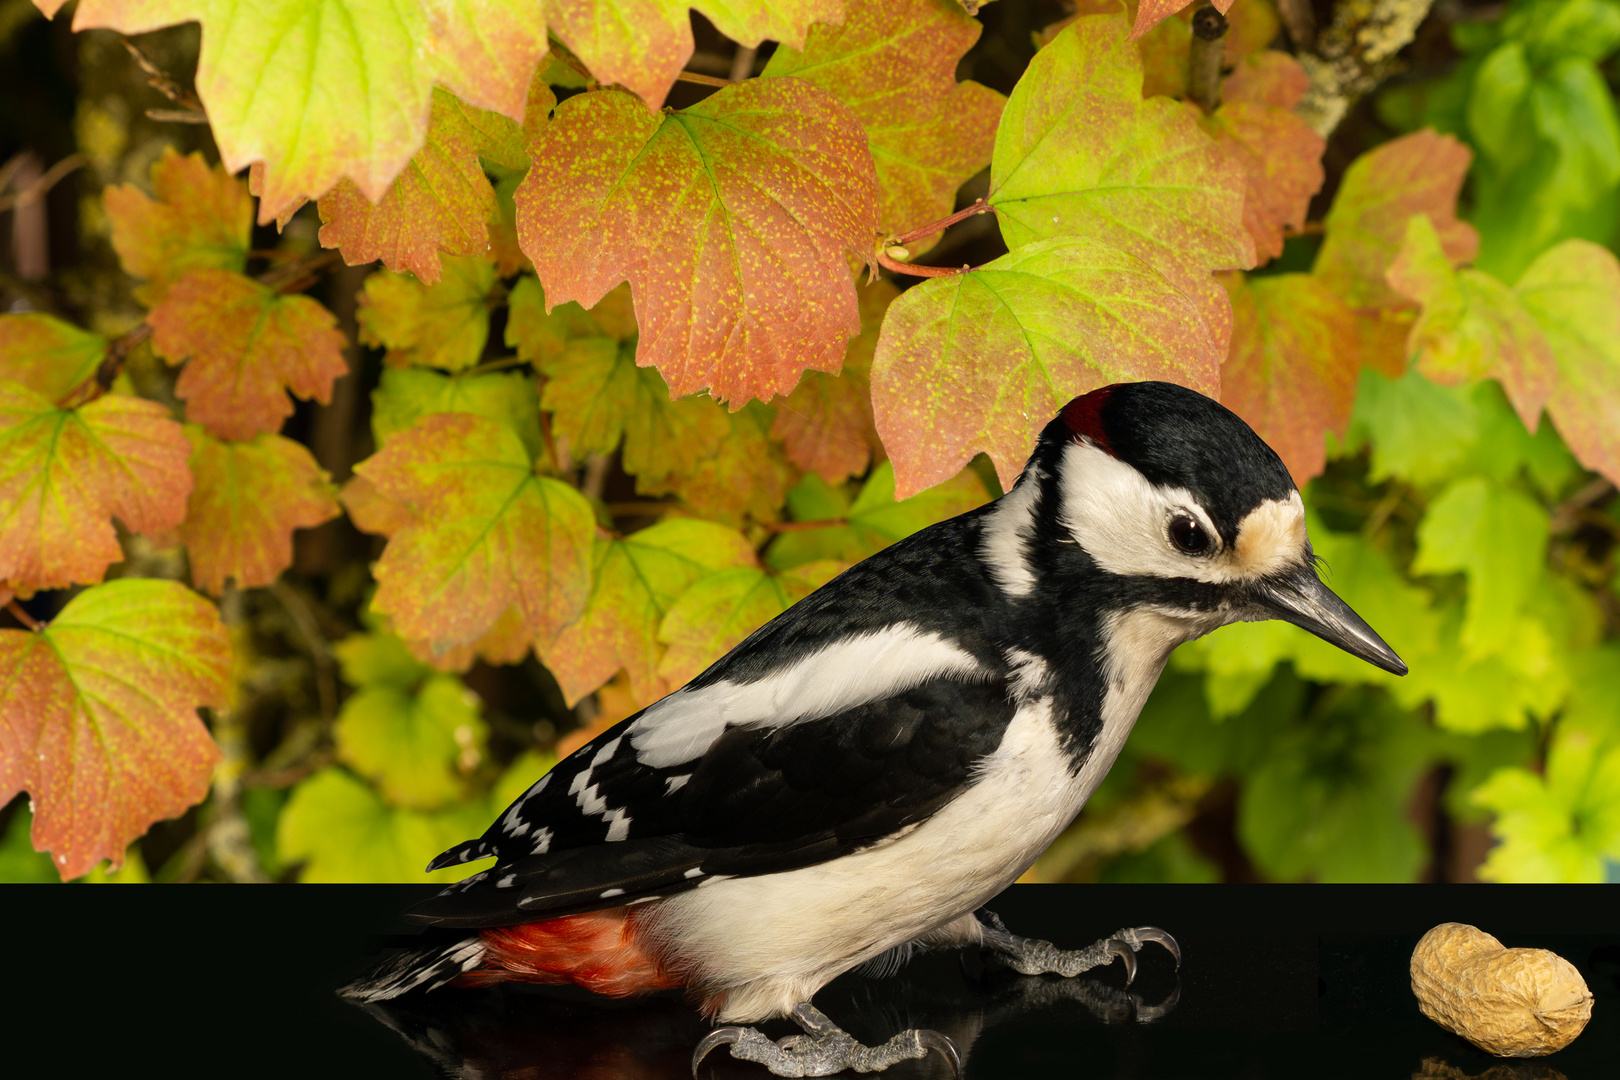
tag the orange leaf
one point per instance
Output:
(202, 217)
(1150, 13)
(47, 355)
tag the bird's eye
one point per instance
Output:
(1189, 536)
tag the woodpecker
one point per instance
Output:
(856, 779)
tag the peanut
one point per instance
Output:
(1508, 1002)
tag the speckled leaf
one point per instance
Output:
(1573, 290)
(245, 347)
(404, 394)
(47, 355)
(539, 335)
(201, 217)
(1280, 155)
(746, 477)
(1150, 13)
(442, 202)
(1080, 153)
(409, 741)
(247, 500)
(732, 221)
(1419, 173)
(98, 716)
(893, 64)
(444, 325)
(371, 510)
(1472, 326)
(635, 583)
(1292, 370)
(64, 473)
(983, 361)
(487, 534)
(715, 614)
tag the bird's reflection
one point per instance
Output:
(535, 1033)
(1434, 1068)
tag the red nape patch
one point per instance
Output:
(602, 951)
(1083, 416)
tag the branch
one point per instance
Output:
(36, 191)
(1204, 60)
(23, 617)
(1354, 55)
(1299, 19)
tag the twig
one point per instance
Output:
(298, 276)
(1299, 19)
(1204, 59)
(23, 617)
(176, 116)
(1568, 514)
(1354, 54)
(701, 80)
(742, 62)
(159, 80)
(37, 190)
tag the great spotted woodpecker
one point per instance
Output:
(857, 778)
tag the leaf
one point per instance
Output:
(1080, 153)
(319, 90)
(1472, 326)
(1280, 155)
(202, 218)
(379, 660)
(64, 473)
(247, 499)
(893, 64)
(635, 582)
(1150, 13)
(47, 355)
(1419, 173)
(1561, 827)
(248, 346)
(441, 202)
(1573, 291)
(747, 476)
(487, 534)
(715, 614)
(1291, 373)
(875, 520)
(371, 510)
(409, 742)
(732, 221)
(444, 325)
(983, 360)
(405, 394)
(98, 716)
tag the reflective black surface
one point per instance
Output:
(1277, 982)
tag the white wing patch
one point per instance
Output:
(1006, 535)
(828, 681)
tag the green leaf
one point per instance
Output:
(440, 326)
(1561, 827)
(1420, 432)
(409, 744)
(378, 659)
(1555, 29)
(1498, 111)
(875, 520)
(405, 394)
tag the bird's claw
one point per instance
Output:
(933, 1040)
(1118, 947)
(1138, 936)
(717, 1037)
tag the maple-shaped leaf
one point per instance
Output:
(1150, 13)
(1080, 153)
(64, 473)
(1563, 826)
(444, 325)
(539, 335)
(247, 499)
(1573, 291)
(202, 217)
(409, 741)
(1472, 326)
(404, 394)
(732, 221)
(984, 360)
(245, 347)
(319, 90)
(47, 355)
(506, 642)
(825, 426)
(635, 582)
(487, 533)
(715, 614)
(442, 202)
(98, 716)
(1419, 173)
(1292, 369)
(746, 476)
(371, 510)
(893, 64)
(1281, 156)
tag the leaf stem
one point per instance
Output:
(1204, 59)
(701, 80)
(979, 207)
(23, 617)
(918, 270)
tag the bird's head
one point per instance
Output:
(1176, 505)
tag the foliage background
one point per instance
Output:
(354, 729)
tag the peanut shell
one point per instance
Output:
(1508, 1002)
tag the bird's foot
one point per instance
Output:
(1030, 957)
(824, 1048)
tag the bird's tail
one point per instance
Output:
(428, 968)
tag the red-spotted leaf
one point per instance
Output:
(893, 64)
(444, 325)
(486, 533)
(746, 477)
(1292, 370)
(98, 716)
(1472, 326)
(1573, 291)
(441, 202)
(635, 583)
(1280, 155)
(1080, 153)
(1419, 173)
(247, 500)
(65, 473)
(715, 614)
(201, 217)
(1150, 13)
(732, 221)
(984, 360)
(248, 347)
(47, 355)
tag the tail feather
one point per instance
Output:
(429, 968)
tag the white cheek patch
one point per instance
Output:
(1006, 536)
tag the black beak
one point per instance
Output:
(1300, 597)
